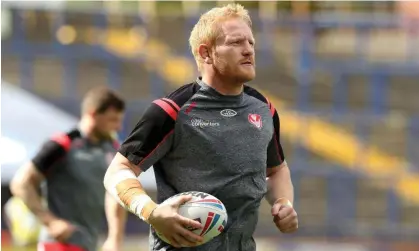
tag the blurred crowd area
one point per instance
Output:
(344, 77)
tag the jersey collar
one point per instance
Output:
(215, 93)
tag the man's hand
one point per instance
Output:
(285, 217)
(166, 220)
(111, 244)
(60, 229)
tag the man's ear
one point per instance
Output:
(205, 53)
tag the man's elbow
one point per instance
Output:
(110, 173)
(14, 187)
(26, 178)
(17, 185)
(278, 170)
(106, 178)
(283, 172)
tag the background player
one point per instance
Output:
(227, 156)
(73, 165)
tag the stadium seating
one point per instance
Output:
(348, 101)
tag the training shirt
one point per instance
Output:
(74, 169)
(200, 140)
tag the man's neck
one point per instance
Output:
(223, 87)
(86, 128)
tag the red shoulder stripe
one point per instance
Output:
(63, 140)
(271, 107)
(167, 108)
(172, 102)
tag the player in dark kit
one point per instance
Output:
(215, 135)
(73, 165)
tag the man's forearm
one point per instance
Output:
(31, 198)
(116, 216)
(280, 185)
(122, 183)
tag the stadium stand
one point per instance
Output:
(349, 99)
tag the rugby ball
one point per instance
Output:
(206, 209)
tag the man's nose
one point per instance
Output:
(249, 50)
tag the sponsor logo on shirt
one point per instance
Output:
(81, 155)
(228, 113)
(203, 123)
(256, 120)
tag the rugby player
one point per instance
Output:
(72, 166)
(215, 135)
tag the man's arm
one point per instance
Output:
(280, 186)
(116, 216)
(122, 184)
(25, 185)
(280, 189)
(281, 195)
(278, 174)
(149, 142)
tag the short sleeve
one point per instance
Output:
(51, 152)
(152, 137)
(275, 152)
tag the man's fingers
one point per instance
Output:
(284, 212)
(189, 223)
(65, 235)
(59, 239)
(70, 231)
(175, 241)
(180, 242)
(181, 200)
(285, 217)
(275, 209)
(290, 229)
(287, 224)
(292, 215)
(185, 240)
(189, 235)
